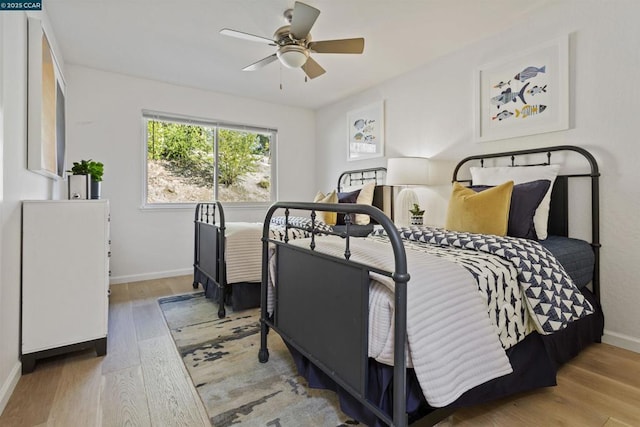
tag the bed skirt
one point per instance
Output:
(535, 362)
(241, 296)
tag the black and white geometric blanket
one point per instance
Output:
(551, 297)
(497, 282)
(278, 227)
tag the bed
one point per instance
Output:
(227, 258)
(334, 351)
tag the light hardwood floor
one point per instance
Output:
(142, 381)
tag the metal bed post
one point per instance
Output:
(222, 274)
(196, 239)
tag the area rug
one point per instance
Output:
(221, 356)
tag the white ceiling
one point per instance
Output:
(178, 41)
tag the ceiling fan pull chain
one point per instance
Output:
(280, 77)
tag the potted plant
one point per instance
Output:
(94, 169)
(417, 215)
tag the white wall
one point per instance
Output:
(17, 183)
(429, 112)
(105, 124)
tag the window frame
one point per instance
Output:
(216, 124)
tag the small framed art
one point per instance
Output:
(366, 132)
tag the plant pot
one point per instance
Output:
(95, 189)
(79, 187)
(416, 220)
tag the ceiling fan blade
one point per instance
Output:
(304, 16)
(264, 61)
(246, 36)
(338, 46)
(312, 69)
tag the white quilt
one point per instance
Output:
(452, 344)
(243, 251)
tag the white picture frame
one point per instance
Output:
(525, 94)
(46, 88)
(365, 127)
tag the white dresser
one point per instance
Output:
(65, 278)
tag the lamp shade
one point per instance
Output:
(408, 171)
(293, 56)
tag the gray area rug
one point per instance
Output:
(221, 356)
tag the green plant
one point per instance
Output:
(88, 167)
(235, 157)
(416, 211)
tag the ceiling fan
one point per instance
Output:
(294, 42)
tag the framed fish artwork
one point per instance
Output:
(365, 127)
(525, 94)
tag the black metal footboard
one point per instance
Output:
(209, 246)
(321, 305)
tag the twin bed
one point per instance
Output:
(411, 324)
(227, 259)
(226, 256)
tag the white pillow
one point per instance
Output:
(520, 175)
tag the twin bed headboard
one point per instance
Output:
(559, 211)
(382, 196)
(362, 176)
(558, 216)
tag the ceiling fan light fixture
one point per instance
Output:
(294, 42)
(293, 56)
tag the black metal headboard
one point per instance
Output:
(362, 176)
(559, 211)
(382, 196)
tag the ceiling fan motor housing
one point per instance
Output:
(283, 37)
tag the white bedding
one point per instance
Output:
(243, 253)
(452, 344)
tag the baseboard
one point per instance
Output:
(149, 276)
(9, 385)
(621, 340)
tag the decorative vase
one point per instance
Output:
(79, 187)
(416, 220)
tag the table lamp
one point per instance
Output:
(405, 172)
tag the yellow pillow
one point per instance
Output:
(486, 212)
(365, 197)
(329, 218)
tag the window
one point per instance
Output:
(192, 160)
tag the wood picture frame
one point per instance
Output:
(46, 130)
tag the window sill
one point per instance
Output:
(228, 206)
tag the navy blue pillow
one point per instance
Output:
(349, 197)
(525, 199)
(346, 197)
